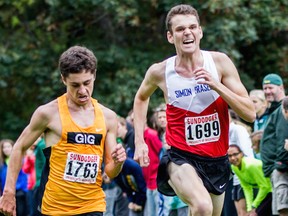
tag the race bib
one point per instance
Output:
(202, 129)
(81, 168)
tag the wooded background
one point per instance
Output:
(126, 37)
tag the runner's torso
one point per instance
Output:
(73, 166)
(197, 116)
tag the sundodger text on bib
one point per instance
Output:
(202, 129)
(82, 168)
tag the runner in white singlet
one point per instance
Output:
(198, 87)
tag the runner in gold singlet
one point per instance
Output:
(79, 134)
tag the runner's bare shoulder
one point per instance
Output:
(157, 70)
(45, 114)
(110, 115)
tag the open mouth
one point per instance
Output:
(188, 41)
(83, 98)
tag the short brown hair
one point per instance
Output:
(182, 9)
(76, 59)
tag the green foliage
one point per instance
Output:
(127, 37)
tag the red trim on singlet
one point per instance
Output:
(175, 131)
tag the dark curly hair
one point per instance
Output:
(76, 59)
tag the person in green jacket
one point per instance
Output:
(273, 154)
(251, 176)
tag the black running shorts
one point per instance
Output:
(214, 172)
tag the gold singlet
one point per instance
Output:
(71, 180)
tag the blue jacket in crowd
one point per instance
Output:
(131, 181)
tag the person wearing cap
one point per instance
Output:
(274, 90)
(273, 154)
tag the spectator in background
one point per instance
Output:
(150, 172)
(132, 182)
(130, 118)
(159, 113)
(239, 135)
(274, 91)
(273, 155)
(285, 114)
(29, 169)
(250, 173)
(160, 122)
(169, 205)
(285, 107)
(126, 134)
(256, 137)
(237, 120)
(6, 146)
(116, 201)
(39, 165)
(262, 115)
(260, 105)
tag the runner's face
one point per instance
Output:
(80, 87)
(235, 156)
(186, 33)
